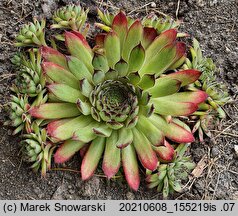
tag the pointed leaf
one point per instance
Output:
(78, 68)
(112, 156)
(164, 86)
(167, 107)
(166, 152)
(86, 134)
(64, 129)
(185, 77)
(85, 87)
(130, 167)
(147, 81)
(149, 35)
(122, 68)
(78, 47)
(136, 59)
(164, 39)
(195, 97)
(159, 62)
(59, 75)
(65, 93)
(119, 25)
(54, 111)
(125, 137)
(102, 130)
(52, 55)
(153, 134)
(172, 130)
(133, 38)
(92, 157)
(112, 49)
(100, 63)
(67, 150)
(98, 77)
(144, 150)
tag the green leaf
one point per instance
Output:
(60, 75)
(164, 86)
(54, 111)
(130, 167)
(112, 156)
(133, 38)
(65, 93)
(112, 49)
(136, 59)
(144, 150)
(78, 68)
(67, 150)
(92, 157)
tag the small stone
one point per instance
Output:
(130, 196)
(236, 150)
(153, 5)
(215, 151)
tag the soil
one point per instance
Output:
(213, 23)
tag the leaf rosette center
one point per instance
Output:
(114, 102)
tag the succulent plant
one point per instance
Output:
(19, 111)
(32, 34)
(19, 116)
(160, 24)
(121, 101)
(168, 176)
(217, 93)
(29, 78)
(70, 17)
(116, 99)
(37, 150)
(207, 82)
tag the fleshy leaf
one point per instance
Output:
(136, 59)
(67, 150)
(160, 62)
(112, 49)
(112, 156)
(65, 93)
(78, 47)
(64, 129)
(164, 39)
(168, 107)
(86, 134)
(172, 130)
(125, 137)
(133, 38)
(130, 167)
(185, 77)
(149, 35)
(164, 86)
(52, 55)
(195, 97)
(78, 68)
(100, 63)
(153, 134)
(92, 157)
(59, 75)
(144, 150)
(119, 25)
(54, 111)
(166, 152)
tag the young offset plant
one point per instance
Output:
(120, 100)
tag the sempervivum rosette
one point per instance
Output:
(116, 100)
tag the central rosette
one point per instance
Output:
(115, 103)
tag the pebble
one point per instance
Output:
(215, 151)
(236, 150)
(130, 196)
